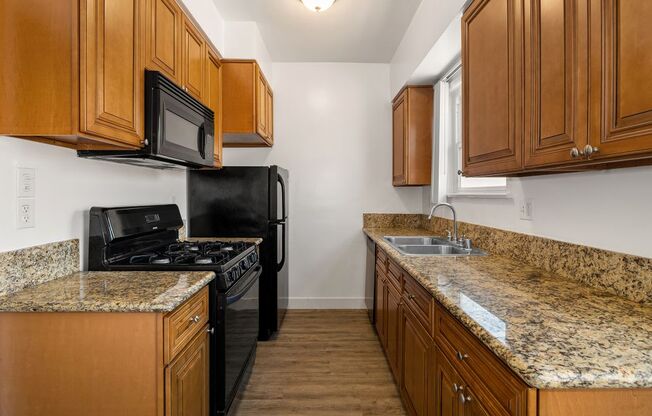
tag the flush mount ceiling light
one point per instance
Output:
(317, 5)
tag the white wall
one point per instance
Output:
(429, 22)
(606, 209)
(333, 133)
(243, 40)
(67, 186)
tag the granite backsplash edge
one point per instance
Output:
(621, 274)
(39, 264)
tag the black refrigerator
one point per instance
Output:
(248, 202)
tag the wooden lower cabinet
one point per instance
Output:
(105, 363)
(416, 347)
(393, 306)
(434, 381)
(187, 380)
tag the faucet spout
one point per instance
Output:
(444, 204)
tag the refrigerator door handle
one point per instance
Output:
(280, 265)
(283, 214)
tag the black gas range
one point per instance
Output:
(146, 238)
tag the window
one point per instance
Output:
(449, 149)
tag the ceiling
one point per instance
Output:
(350, 31)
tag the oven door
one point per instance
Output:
(240, 331)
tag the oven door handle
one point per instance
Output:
(252, 281)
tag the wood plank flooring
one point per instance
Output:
(323, 362)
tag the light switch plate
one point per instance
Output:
(26, 213)
(26, 182)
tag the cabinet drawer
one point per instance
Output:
(181, 325)
(499, 387)
(394, 274)
(420, 302)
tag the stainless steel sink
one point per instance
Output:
(430, 246)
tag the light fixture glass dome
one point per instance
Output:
(318, 5)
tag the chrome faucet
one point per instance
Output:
(444, 204)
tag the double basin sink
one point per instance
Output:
(430, 246)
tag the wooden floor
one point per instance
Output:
(322, 363)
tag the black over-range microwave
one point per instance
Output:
(179, 130)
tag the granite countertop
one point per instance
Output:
(553, 332)
(108, 292)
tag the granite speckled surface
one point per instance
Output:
(552, 331)
(34, 265)
(108, 292)
(621, 274)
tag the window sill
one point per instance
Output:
(482, 195)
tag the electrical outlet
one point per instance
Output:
(526, 208)
(26, 182)
(26, 213)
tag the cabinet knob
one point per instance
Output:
(575, 152)
(210, 330)
(461, 356)
(457, 388)
(411, 296)
(589, 150)
(195, 319)
(464, 399)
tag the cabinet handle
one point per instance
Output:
(457, 388)
(575, 152)
(195, 319)
(210, 330)
(461, 356)
(464, 399)
(411, 296)
(589, 150)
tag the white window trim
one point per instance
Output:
(446, 158)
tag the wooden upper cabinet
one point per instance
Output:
(248, 104)
(111, 69)
(621, 86)
(270, 115)
(213, 98)
(491, 87)
(556, 81)
(164, 20)
(412, 119)
(187, 380)
(193, 57)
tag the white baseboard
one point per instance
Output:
(326, 303)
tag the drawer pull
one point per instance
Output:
(464, 399)
(210, 330)
(411, 296)
(461, 356)
(457, 388)
(195, 319)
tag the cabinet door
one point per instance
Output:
(416, 350)
(193, 60)
(469, 403)
(446, 385)
(213, 98)
(261, 104)
(621, 86)
(393, 324)
(491, 103)
(270, 115)
(556, 80)
(186, 380)
(380, 308)
(399, 134)
(164, 19)
(111, 76)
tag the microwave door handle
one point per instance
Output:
(202, 141)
